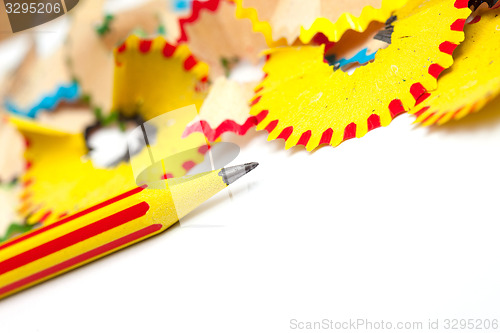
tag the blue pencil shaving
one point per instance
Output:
(65, 92)
(181, 5)
(361, 57)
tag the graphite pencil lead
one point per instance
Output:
(231, 174)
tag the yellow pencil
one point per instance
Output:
(106, 227)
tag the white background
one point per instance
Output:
(401, 225)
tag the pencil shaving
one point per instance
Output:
(474, 78)
(312, 105)
(11, 152)
(40, 83)
(94, 35)
(218, 35)
(154, 76)
(226, 109)
(282, 22)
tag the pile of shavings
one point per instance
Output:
(312, 73)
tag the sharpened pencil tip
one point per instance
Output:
(231, 174)
(250, 166)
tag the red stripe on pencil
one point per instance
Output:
(72, 238)
(81, 258)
